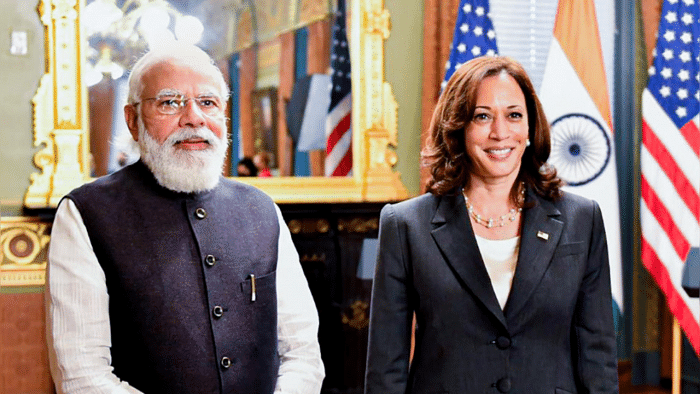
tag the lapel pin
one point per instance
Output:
(543, 235)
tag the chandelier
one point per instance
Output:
(120, 31)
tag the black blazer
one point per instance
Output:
(555, 334)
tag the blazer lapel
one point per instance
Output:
(454, 237)
(540, 234)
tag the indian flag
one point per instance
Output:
(574, 93)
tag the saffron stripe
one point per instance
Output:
(576, 30)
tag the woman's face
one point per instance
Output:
(496, 136)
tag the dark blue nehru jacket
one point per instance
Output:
(178, 269)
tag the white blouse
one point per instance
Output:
(500, 257)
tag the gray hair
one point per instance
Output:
(187, 55)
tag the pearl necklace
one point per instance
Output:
(499, 221)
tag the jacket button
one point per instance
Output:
(226, 362)
(218, 311)
(503, 342)
(503, 385)
(210, 260)
(200, 213)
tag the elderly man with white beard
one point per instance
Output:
(165, 277)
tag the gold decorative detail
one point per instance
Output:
(378, 22)
(65, 9)
(359, 318)
(313, 10)
(61, 108)
(358, 225)
(23, 251)
(294, 226)
(313, 258)
(272, 17)
(322, 226)
(308, 226)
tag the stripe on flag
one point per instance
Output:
(575, 97)
(474, 35)
(340, 139)
(670, 160)
(338, 122)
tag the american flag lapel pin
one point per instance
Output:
(543, 235)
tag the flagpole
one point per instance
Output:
(676, 363)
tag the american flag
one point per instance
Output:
(474, 35)
(670, 159)
(338, 123)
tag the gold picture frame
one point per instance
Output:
(61, 130)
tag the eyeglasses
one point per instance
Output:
(174, 104)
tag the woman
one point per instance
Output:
(507, 275)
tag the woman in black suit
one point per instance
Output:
(507, 275)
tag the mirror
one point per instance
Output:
(61, 118)
(246, 39)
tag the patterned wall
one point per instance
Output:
(24, 366)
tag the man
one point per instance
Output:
(167, 278)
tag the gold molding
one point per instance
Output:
(60, 108)
(358, 224)
(23, 251)
(61, 126)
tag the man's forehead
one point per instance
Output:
(174, 78)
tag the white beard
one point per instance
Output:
(181, 170)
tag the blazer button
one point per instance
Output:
(503, 342)
(210, 260)
(226, 362)
(218, 311)
(200, 213)
(503, 385)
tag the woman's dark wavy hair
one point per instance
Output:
(445, 153)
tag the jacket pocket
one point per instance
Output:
(257, 287)
(569, 249)
(561, 391)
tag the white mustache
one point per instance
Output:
(187, 133)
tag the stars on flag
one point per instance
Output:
(674, 86)
(670, 35)
(671, 17)
(473, 35)
(685, 56)
(687, 38)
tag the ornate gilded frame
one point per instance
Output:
(61, 126)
